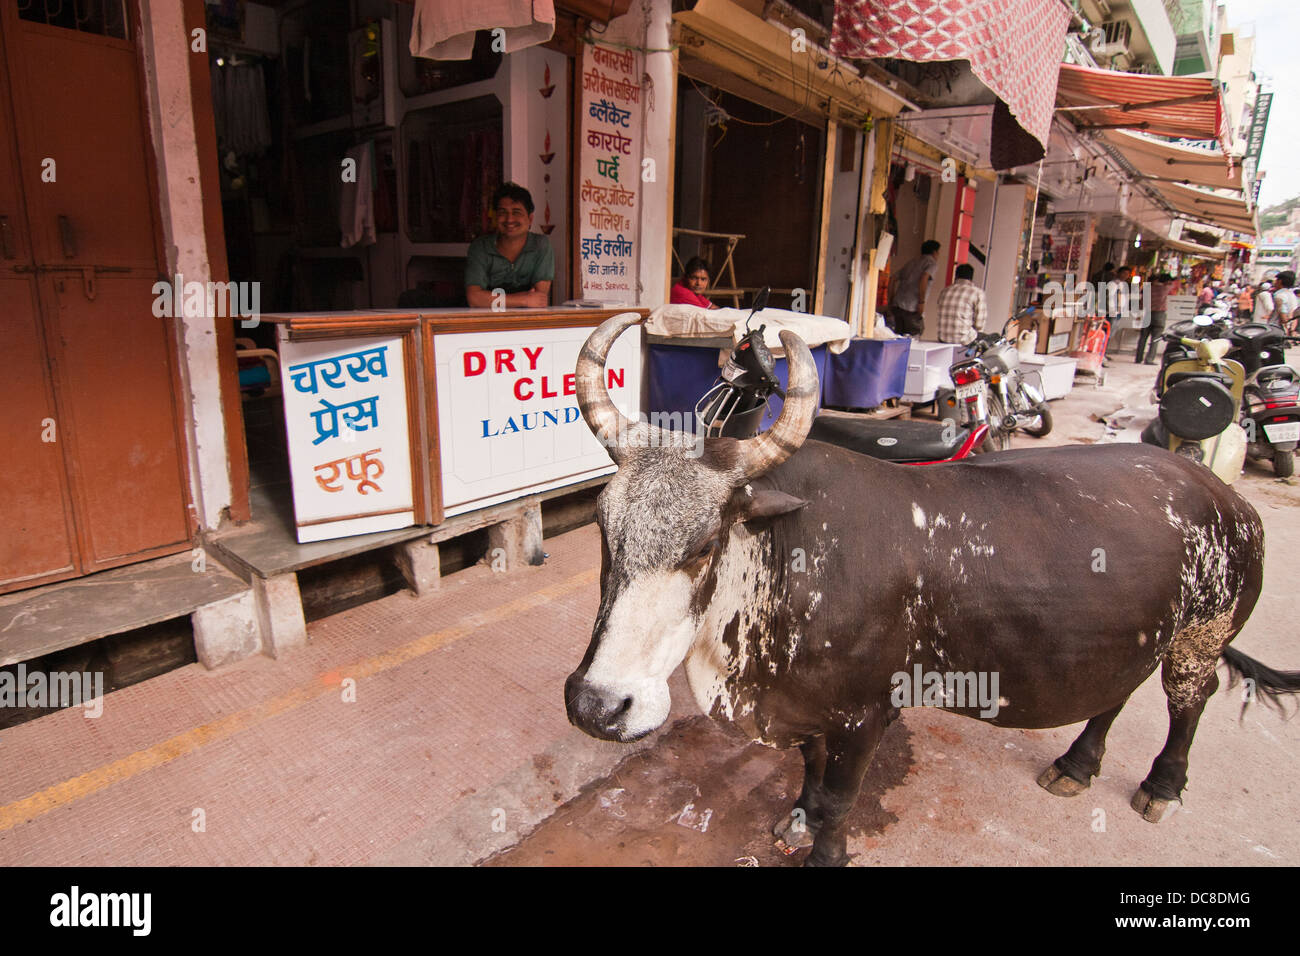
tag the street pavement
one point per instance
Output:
(432, 731)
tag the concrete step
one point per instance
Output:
(42, 620)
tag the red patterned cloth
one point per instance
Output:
(1015, 47)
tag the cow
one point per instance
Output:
(801, 589)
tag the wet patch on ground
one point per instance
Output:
(703, 795)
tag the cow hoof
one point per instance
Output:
(841, 860)
(794, 830)
(1153, 809)
(1056, 781)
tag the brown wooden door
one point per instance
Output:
(82, 348)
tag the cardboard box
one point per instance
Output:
(1053, 332)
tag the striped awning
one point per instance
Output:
(1216, 209)
(1013, 47)
(1163, 162)
(1184, 106)
(1192, 248)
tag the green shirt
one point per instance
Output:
(489, 269)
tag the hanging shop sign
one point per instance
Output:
(345, 414)
(1258, 124)
(508, 418)
(609, 174)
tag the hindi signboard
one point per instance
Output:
(609, 174)
(508, 418)
(1258, 125)
(345, 416)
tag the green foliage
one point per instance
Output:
(1277, 215)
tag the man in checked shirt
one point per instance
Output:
(963, 309)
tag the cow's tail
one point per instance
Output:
(1261, 681)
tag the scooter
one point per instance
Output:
(990, 388)
(1270, 410)
(1270, 414)
(1200, 402)
(735, 405)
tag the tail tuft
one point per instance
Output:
(1266, 684)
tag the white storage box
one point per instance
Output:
(927, 370)
(1056, 372)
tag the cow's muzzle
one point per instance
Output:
(599, 711)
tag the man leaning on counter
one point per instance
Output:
(513, 260)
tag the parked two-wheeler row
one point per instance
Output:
(1225, 394)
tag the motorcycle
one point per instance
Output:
(1200, 394)
(1270, 411)
(734, 407)
(990, 388)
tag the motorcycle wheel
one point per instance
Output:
(1284, 463)
(1044, 421)
(998, 438)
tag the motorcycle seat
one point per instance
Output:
(889, 440)
(1222, 378)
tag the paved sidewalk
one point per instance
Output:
(457, 738)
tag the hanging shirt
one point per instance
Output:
(444, 29)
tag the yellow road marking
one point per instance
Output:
(92, 781)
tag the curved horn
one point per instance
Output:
(607, 423)
(764, 452)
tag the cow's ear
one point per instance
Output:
(761, 504)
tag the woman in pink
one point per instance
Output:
(690, 289)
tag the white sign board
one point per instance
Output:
(349, 448)
(1179, 308)
(508, 417)
(609, 164)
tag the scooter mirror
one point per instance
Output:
(760, 303)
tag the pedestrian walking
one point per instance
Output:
(1154, 328)
(1264, 302)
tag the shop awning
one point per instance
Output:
(1184, 106)
(1216, 209)
(1014, 48)
(724, 45)
(1192, 248)
(1163, 162)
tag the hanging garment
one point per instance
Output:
(217, 79)
(247, 123)
(444, 29)
(356, 204)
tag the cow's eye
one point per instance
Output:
(703, 552)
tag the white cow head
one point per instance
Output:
(664, 517)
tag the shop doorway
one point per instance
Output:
(745, 170)
(92, 423)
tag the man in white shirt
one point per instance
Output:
(1263, 303)
(1285, 302)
